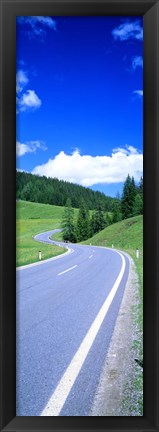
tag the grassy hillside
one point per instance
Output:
(29, 210)
(31, 219)
(34, 188)
(126, 235)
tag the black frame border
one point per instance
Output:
(150, 12)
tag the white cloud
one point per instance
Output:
(137, 61)
(138, 93)
(37, 25)
(128, 30)
(21, 80)
(21, 170)
(89, 170)
(28, 100)
(29, 147)
(132, 150)
(126, 151)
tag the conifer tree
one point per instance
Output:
(140, 191)
(117, 214)
(98, 221)
(108, 219)
(141, 186)
(68, 232)
(128, 197)
(83, 226)
(138, 205)
(92, 224)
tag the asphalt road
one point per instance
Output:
(66, 312)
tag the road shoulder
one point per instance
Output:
(113, 397)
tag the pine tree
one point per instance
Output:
(55, 192)
(83, 226)
(140, 191)
(141, 186)
(117, 214)
(98, 221)
(92, 224)
(128, 197)
(68, 232)
(108, 219)
(138, 205)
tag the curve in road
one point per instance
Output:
(66, 312)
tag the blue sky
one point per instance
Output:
(79, 99)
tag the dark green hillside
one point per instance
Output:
(52, 191)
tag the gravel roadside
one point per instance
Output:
(116, 394)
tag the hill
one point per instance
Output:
(35, 211)
(52, 191)
(126, 235)
(31, 219)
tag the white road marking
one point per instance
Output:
(65, 271)
(90, 256)
(59, 396)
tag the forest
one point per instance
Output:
(105, 210)
(52, 191)
(130, 204)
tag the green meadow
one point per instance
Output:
(125, 235)
(32, 219)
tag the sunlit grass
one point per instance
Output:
(33, 219)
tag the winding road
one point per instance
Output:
(66, 311)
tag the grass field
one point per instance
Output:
(32, 219)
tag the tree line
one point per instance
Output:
(52, 191)
(105, 210)
(85, 226)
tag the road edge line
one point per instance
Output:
(60, 394)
